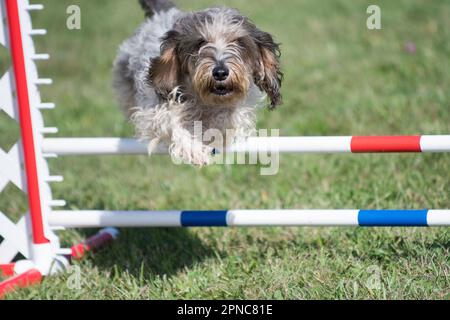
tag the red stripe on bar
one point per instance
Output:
(385, 144)
(7, 270)
(26, 126)
(25, 279)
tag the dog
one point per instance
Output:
(212, 67)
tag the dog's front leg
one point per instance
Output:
(186, 148)
(163, 124)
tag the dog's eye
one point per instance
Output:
(241, 41)
(201, 43)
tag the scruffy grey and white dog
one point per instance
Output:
(213, 66)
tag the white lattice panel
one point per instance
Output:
(10, 168)
(17, 236)
(6, 80)
(6, 94)
(2, 24)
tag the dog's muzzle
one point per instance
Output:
(221, 89)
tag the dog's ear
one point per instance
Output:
(267, 73)
(164, 70)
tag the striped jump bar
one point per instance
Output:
(222, 218)
(319, 144)
(348, 144)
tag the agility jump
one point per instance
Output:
(25, 165)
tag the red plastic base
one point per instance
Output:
(7, 270)
(25, 279)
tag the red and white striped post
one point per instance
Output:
(41, 248)
(45, 255)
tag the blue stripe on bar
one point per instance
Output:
(385, 218)
(193, 218)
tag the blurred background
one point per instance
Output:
(340, 79)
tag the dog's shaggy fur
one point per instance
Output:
(164, 76)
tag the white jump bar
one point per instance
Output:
(332, 144)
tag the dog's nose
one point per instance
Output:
(220, 73)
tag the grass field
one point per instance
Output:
(340, 79)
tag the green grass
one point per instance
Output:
(340, 79)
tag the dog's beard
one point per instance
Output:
(227, 93)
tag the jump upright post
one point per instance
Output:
(25, 165)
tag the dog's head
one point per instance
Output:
(215, 55)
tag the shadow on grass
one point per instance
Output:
(382, 245)
(147, 252)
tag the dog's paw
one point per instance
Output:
(204, 156)
(152, 146)
(195, 153)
